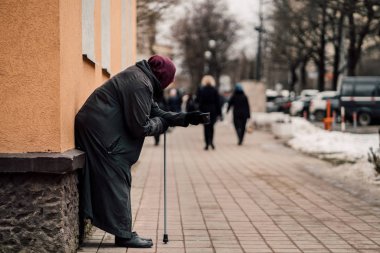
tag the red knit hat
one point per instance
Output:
(163, 68)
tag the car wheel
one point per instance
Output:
(319, 115)
(364, 119)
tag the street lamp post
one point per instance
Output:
(209, 54)
(258, 54)
(260, 30)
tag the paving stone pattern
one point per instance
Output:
(254, 198)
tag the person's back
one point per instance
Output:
(191, 104)
(240, 105)
(241, 111)
(174, 101)
(208, 99)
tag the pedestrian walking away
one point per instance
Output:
(111, 127)
(174, 101)
(241, 111)
(191, 103)
(208, 100)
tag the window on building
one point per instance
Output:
(123, 33)
(106, 35)
(88, 33)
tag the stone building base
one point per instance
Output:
(38, 209)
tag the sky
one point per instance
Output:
(246, 9)
(246, 13)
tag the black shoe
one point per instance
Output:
(206, 147)
(212, 146)
(145, 239)
(134, 242)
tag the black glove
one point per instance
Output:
(165, 125)
(194, 118)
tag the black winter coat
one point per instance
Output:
(239, 102)
(208, 100)
(111, 128)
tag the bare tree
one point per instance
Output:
(205, 28)
(363, 19)
(149, 13)
(291, 40)
(335, 22)
(303, 29)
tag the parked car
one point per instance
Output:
(301, 105)
(283, 104)
(318, 104)
(271, 95)
(361, 95)
(309, 93)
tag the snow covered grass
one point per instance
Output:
(304, 136)
(343, 147)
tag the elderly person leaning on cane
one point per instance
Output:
(111, 128)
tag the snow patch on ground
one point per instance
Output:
(360, 179)
(344, 147)
(303, 136)
(354, 173)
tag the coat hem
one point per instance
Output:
(122, 234)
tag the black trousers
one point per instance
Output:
(209, 134)
(240, 124)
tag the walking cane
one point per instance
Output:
(166, 238)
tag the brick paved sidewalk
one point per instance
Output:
(250, 198)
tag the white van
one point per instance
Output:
(318, 104)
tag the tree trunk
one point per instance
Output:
(357, 37)
(152, 33)
(321, 50)
(303, 83)
(337, 49)
(351, 55)
(293, 77)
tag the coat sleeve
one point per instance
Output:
(230, 103)
(218, 105)
(137, 109)
(248, 108)
(173, 118)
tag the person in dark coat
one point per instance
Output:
(241, 111)
(191, 104)
(174, 101)
(111, 127)
(208, 100)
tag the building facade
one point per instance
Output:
(54, 53)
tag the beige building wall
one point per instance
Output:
(29, 76)
(43, 78)
(255, 91)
